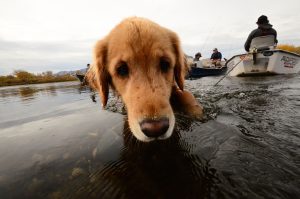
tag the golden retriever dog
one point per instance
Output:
(144, 64)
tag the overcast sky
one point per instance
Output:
(56, 35)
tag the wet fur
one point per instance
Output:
(147, 92)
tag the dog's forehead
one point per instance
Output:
(139, 36)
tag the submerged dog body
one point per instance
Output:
(143, 62)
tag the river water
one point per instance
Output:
(57, 142)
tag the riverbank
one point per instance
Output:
(2, 84)
(23, 77)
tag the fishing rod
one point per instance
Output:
(242, 59)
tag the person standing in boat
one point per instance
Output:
(216, 57)
(264, 29)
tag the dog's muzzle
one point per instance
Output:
(154, 128)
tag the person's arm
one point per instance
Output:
(248, 41)
(275, 34)
(220, 56)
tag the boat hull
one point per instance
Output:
(203, 72)
(264, 63)
(204, 67)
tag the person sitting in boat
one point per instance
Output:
(196, 59)
(216, 57)
(197, 56)
(264, 29)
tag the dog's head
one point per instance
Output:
(141, 61)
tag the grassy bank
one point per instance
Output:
(290, 48)
(24, 77)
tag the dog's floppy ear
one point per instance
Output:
(102, 76)
(181, 64)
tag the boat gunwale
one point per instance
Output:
(274, 51)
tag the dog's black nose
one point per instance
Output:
(154, 127)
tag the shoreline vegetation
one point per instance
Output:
(21, 77)
(290, 48)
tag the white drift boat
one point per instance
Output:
(263, 59)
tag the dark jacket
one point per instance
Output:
(216, 55)
(262, 30)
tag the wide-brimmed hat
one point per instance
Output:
(262, 20)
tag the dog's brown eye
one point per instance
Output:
(123, 70)
(164, 65)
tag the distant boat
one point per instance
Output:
(263, 59)
(203, 68)
(80, 77)
(203, 72)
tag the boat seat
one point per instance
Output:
(262, 43)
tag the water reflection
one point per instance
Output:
(117, 167)
(84, 89)
(51, 90)
(27, 93)
(31, 92)
(163, 169)
(27, 103)
(65, 146)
